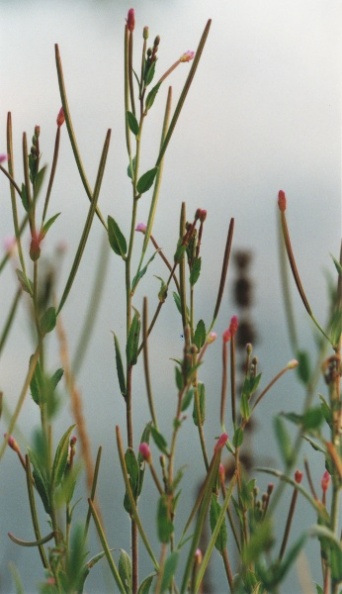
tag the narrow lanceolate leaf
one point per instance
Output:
(195, 271)
(116, 238)
(120, 367)
(25, 283)
(146, 180)
(169, 571)
(48, 320)
(215, 510)
(145, 585)
(159, 440)
(199, 405)
(133, 476)
(151, 96)
(61, 457)
(200, 334)
(164, 523)
(284, 441)
(38, 181)
(49, 223)
(142, 272)
(125, 571)
(133, 340)
(132, 123)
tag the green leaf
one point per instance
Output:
(48, 321)
(56, 378)
(61, 457)
(260, 542)
(49, 223)
(146, 180)
(200, 334)
(311, 420)
(179, 379)
(178, 303)
(338, 265)
(284, 441)
(133, 474)
(335, 327)
(125, 571)
(131, 168)
(195, 271)
(303, 369)
(132, 123)
(36, 385)
(319, 589)
(198, 414)
(169, 571)
(215, 509)
(162, 294)
(38, 180)
(187, 400)
(244, 406)
(145, 585)
(142, 272)
(26, 283)
(326, 411)
(238, 437)
(116, 239)
(120, 367)
(151, 96)
(159, 440)
(164, 523)
(149, 73)
(133, 340)
(24, 197)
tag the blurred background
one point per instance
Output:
(263, 114)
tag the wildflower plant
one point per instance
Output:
(241, 522)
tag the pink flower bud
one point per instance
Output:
(226, 336)
(36, 240)
(144, 450)
(281, 200)
(141, 227)
(212, 337)
(198, 556)
(13, 444)
(325, 481)
(3, 157)
(233, 325)
(60, 118)
(298, 476)
(187, 56)
(201, 214)
(292, 364)
(221, 442)
(130, 19)
(222, 473)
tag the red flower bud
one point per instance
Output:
(281, 200)
(233, 325)
(325, 481)
(145, 451)
(13, 444)
(221, 442)
(130, 19)
(60, 118)
(298, 476)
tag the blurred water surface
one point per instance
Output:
(263, 113)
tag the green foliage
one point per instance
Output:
(116, 239)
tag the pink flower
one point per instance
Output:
(234, 322)
(221, 442)
(187, 56)
(145, 451)
(281, 200)
(226, 336)
(141, 227)
(3, 157)
(212, 337)
(130, 19)
(9, 243)
(201, 214)
(60, 118)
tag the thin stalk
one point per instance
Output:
(52, 173)
(33, 511)
(146, 364)
(14, 417)
(10, 318)
(93, 489)
(106, 548)
(72, 137)
(224, 270)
